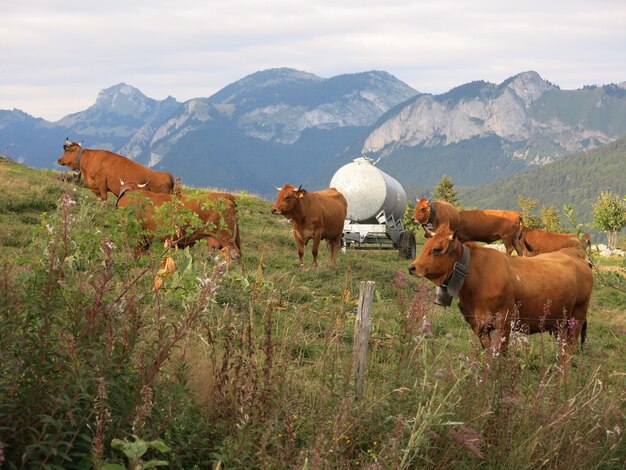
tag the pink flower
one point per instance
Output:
(572, 324)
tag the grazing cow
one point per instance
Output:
(102, 170)
(535, 241)
(485, 226)
(316, 216)
(548, 292)
(217, 213)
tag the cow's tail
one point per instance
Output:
(583, 334)
(172, 183)
(519, 238)
(527, 246)
(237, 236)
(238, 245)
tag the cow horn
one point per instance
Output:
(277, 188)
(300, 188)
(143, 185)
(121, 182)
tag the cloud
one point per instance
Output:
(57, 55)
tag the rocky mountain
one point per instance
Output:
(263, 129)
(118, 114)
(285, 125)
(480, 131)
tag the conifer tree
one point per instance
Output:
(445, 190)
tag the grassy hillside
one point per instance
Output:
(577, 180)
(250, 367)
(25, 194)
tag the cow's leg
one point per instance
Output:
(300, 245)
(517, 245)
(334, 245)
(315, 248)
(485, 339)
(508, 246)
(101, 185)
(498, 344)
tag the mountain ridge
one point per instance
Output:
(281, 125)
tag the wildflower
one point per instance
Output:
(399, 280)
(470, 439)
(427, 329)
(68, 200)
(572, 324)
(143, 410)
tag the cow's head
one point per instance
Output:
(422, 211)
(438, 256)
(287, 199)
(132, 185)
(70, 154)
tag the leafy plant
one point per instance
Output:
(134, 452)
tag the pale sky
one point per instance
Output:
(57, 55)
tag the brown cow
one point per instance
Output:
(433, 214)
(316, 216)
(485, 226)
(102, 170)
(217, 213)
(548, 292)
(535, 241)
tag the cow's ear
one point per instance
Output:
(300, 193)
(453, 236)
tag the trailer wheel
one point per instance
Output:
(406, 244)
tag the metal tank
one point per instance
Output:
(376, 204)
(369, 190)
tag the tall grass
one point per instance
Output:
(250, 368)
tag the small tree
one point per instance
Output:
(550, 219)
(526, 207)
(609, 215)
(445, 190)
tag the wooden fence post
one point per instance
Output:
(362, 328)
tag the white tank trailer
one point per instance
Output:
(376, 204)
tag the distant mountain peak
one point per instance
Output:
(528, 86)
(282, 74)
(123, 99)
(263, 80)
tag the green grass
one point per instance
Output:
(251, 368)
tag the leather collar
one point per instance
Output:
(433, 213)
(460, 270)
(78, 157)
